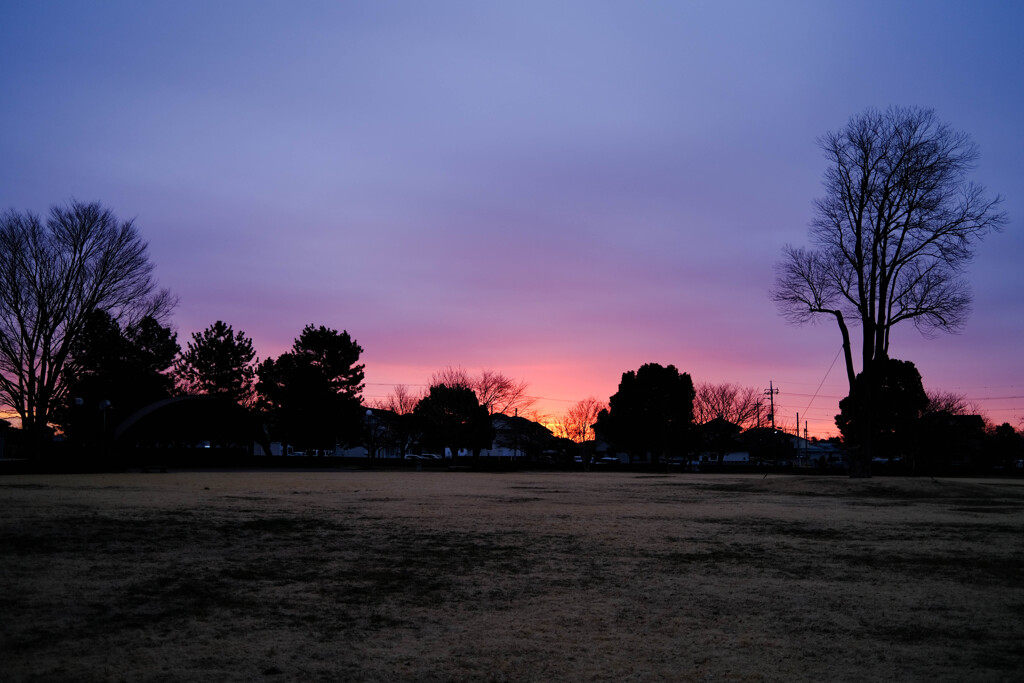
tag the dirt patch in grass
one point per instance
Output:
(441, 576)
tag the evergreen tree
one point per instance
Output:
(116, 371)
(218, 362)
(312, 394)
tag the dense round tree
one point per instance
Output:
(452, 417)
(651, 414)
(897, 402)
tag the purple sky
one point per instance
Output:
(561, 191)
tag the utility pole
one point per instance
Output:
(515, 424)
(770, 393)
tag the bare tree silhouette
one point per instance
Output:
(53, 277)
(892, 235)
(497, 392)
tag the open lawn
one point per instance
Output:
(455, 576)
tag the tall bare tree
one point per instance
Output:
(53, 277)
(497, 392)
(891, 236)
(737, 404)
(893, 233)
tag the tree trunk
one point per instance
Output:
(851, 376)
(860, 461)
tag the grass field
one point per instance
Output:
(457, 576)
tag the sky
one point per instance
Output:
(559, 191)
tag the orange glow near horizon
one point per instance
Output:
(560, 215)
(11, 417)
(563, 387)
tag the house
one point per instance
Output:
(518, 437)
(720, 437)
(812, 453)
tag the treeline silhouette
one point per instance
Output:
(95, 373)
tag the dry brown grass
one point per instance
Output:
(440, 576)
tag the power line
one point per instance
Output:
(410, 384)
(548, 398)
(820, 384)
(993, 398)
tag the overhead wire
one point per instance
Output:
(822, 382)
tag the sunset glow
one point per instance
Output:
(558, 193)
